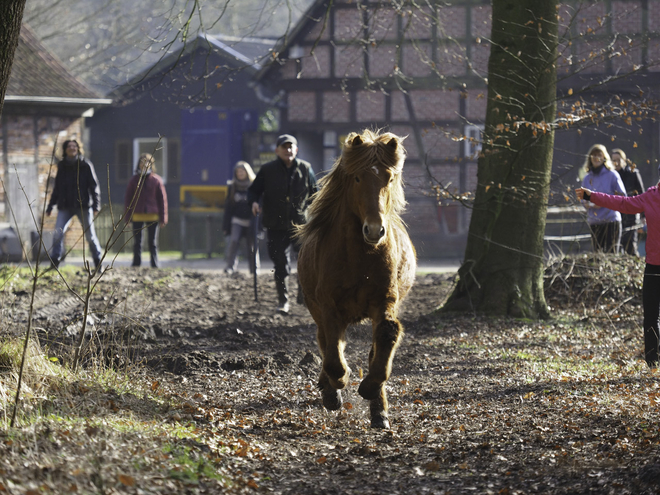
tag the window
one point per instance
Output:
(158, 148)
(473, 140)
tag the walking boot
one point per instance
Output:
(301, 297)
(282, 296)
(283, 307)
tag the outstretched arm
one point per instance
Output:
(623, 204)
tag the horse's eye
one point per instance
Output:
(357, 179)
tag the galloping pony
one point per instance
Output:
(356, 262)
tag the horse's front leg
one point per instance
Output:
(386, 337)
(334, 372)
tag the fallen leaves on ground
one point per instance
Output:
(477, 405)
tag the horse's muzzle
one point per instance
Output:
(373, 232)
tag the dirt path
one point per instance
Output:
(477, 405)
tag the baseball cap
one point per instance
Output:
(286, 138)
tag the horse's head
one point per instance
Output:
(373, 164)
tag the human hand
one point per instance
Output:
(256, 209)
(579, 193)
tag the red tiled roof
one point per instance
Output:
(36, 72)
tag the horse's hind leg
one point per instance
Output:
(378, 410)
(386, 338)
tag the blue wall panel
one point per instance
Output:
(211, 143)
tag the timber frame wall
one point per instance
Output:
(421, 71)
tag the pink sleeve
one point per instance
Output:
(623, 204)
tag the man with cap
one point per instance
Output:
(285, 187)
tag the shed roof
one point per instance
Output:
(38, 76)
(240, 52)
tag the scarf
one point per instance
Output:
(241, 185)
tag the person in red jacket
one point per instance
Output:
(649, 204)
(145, 203)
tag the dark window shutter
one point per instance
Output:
(124, 160)
(173, 161)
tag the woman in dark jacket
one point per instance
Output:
(146, 206)
(238, 220)
(76, 193)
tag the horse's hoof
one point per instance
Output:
(369, 389)
(380, 422)
(338, 377)
(332, 400)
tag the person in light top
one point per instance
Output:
(604, 223)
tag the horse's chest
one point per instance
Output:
(365, 281)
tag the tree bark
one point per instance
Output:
(502, 273)
(11, 17)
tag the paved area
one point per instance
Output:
(217, 264)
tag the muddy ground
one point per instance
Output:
(474, 409)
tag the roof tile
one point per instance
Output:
(37, 72)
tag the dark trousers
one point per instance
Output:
(152, 240)
(606, 237)
(651, 303)
(629, 241)
(238, 232)
(280, 245)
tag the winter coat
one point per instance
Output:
(632, 181)
(286, 193)
(647, 203)
(72, 174)
(151, 197)
(608, 182)
(236, 206)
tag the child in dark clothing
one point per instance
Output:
(238, 220)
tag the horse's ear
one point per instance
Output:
(357, 141)
(392, 143)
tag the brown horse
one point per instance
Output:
(356, 262)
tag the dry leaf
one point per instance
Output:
(92, 430)
(126, 480)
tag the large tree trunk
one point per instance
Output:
(503, 268)
(11, 17)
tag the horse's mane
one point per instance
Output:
(372, 147)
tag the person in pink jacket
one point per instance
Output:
(146, 206)
(649, 204)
